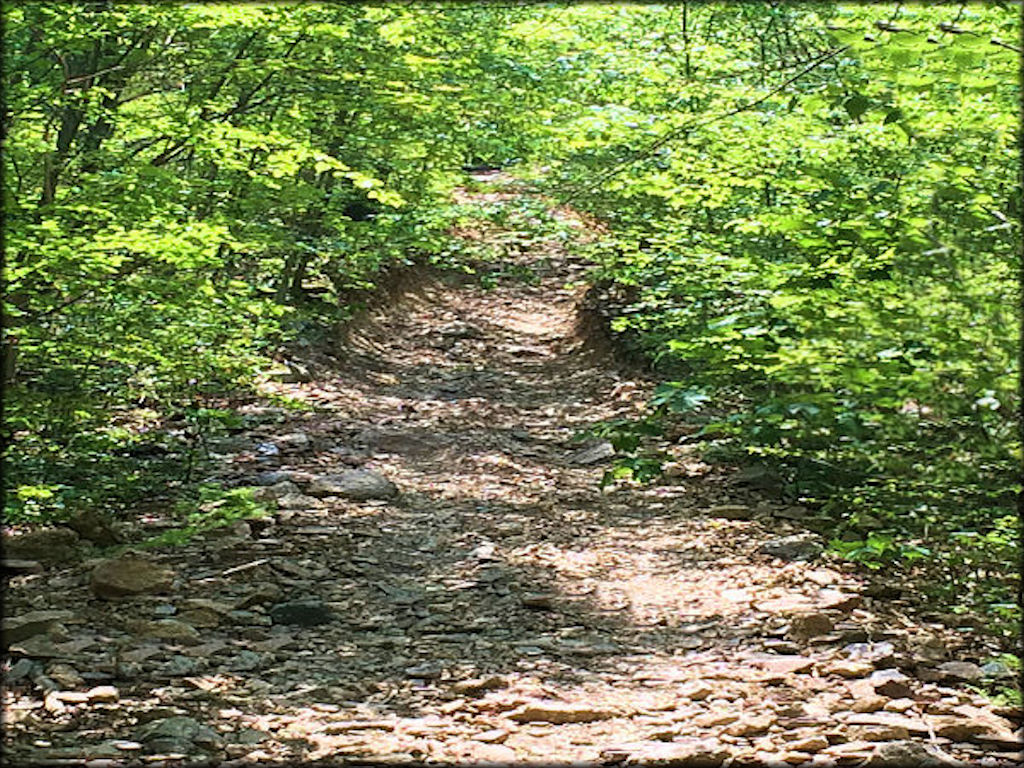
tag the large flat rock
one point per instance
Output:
(354, 484)
(129, 575)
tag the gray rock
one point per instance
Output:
(303, 613)
(227, 445)
(20, 567)
(178, 734)
(758, 476)
(402, 442)
(130, 574)
(47, 545)
(18, 628)
(180, 666)
(791, 513)
(167, 629)
(248, 617)
(20, 669)
(881, 653)
(593, 454)
(80, 753)
(903, 753)
(997, 670)
(267, 449)
(251, 736)
(245, 661)
(961, 671)
(264, 594)
(218, 606)
(276, 490)
(38, 647)
(299, 501)
(206, 618)
(430, 670)
(584, 648)
(354, 484)
(800, 546)
(296, 441)
(96, 527)
(731, 512)
(275, 476)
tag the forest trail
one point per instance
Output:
(502, 608)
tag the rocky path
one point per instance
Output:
(493, 604)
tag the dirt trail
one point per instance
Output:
(503, 607)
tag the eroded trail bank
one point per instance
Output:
(500, 607)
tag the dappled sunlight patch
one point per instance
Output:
(533, 324)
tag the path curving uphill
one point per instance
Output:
(501, 607)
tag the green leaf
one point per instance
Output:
(856, 105)
(893, 115)
(678, 398)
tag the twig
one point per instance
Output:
(93, 74)
(1007, 46)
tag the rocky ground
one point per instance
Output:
(444, 580)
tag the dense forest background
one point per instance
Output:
(809, 226)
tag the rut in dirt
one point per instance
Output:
(504, 607)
